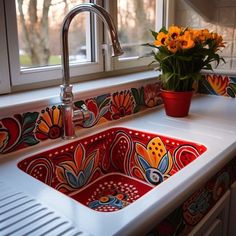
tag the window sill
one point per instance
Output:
(31, 100)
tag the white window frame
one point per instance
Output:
(41, 74)
(5, 86)
(12, 78)
(132, 62)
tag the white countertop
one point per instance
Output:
(212, 122)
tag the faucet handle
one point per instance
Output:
(80, 115)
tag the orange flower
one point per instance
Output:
(122, 104)
(218, 83)
(186, 41)
(194, 34)
(50, 124)
(155, 164)
(76, 173)
(202, 35)
(206, 34)
(160, 39)
(172, 46)
(174, 32)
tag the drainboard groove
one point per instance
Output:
(29, 224)
(13, 201)
(9, 224)
(13, 208)
(16, 214)
(45, 222)
(8, 196)
(16, 204)
(68, 230)
(21, 215)
(51, 230)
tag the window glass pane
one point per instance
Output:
(135, 19)
(39, 24)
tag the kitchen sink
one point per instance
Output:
(113, 168)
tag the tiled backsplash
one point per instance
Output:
(222, 85)
(21, 130)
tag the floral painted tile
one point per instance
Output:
(27, 129)
(218, 85)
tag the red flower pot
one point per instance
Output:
(177, 104)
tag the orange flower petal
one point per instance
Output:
(56, 116)
(79, 156)
(116, 99)
(47, 118)
(43, 126)
(60, 174)
(142, 151)
(121, 98)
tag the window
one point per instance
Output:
(33, 37)
(34, 40)
(38, 25)
(134, 20)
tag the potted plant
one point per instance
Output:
(181, 54)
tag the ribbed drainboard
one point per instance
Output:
(21, 215)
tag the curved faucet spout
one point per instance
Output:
(69, 114)
(104, 15)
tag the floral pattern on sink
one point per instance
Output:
(139, 159)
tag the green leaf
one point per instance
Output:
(142, 96)
(105, 103)
(230, 92)
(137, 108)
(100, 99)
(136, 95)
(149, 45)
(184, 77)
(29, 117)
(185, 58)
(163, 29)
(208, 67)
(154, 34)
(30, 140)
(28, 129)
(233, 87)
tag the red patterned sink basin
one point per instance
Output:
(110, 170)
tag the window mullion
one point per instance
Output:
(4, 66)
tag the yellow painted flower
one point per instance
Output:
(50, 124)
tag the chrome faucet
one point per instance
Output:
(71, 115)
